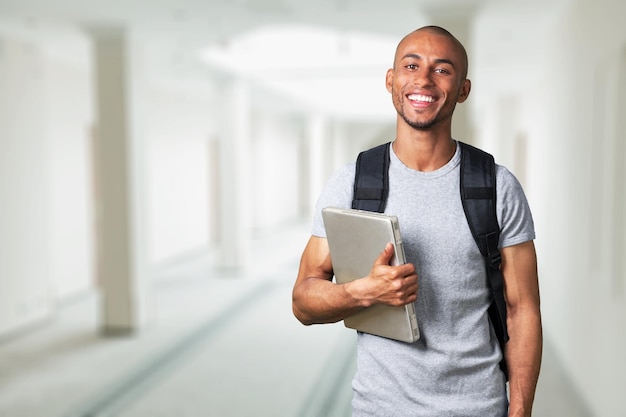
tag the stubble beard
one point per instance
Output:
(426, 124)
(442, 114)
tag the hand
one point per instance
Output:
(392, 285)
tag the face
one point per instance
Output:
(428, 79)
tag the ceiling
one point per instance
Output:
(227, 17)
(329, 55)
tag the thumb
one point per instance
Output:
(385, 256)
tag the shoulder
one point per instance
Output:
(339, 185)
(507, 182)
(343, 175)
(336, 193)
(514, 214)
(483, 160)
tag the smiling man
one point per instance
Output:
(453, 369)
(449, 63)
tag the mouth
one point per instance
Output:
(421, 99)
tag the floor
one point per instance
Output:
(219, 344)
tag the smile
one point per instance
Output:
(421, 98)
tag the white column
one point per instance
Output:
(316, 131)
(235, 215)
(619, 174)
(340, 148)
(304, 203)
(119, 153)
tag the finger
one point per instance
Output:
(385, 256)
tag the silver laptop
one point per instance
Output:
(356, 238)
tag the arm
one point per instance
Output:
(523, 350)
(316, 299)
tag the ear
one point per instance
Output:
(464, 91)
(389, 79)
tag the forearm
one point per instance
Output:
(523, 355)
(317, 301)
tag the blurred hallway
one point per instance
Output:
(144, 143)
(224, 345)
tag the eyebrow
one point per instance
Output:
(437, 60)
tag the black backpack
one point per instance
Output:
(478, 195)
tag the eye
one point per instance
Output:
(411, 66)
(442, 71)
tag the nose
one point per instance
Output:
(422, 78)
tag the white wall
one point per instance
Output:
(46, 191)
(25, 287)
(68, 136)
(178, 134)
(590, 289)
(275, 159)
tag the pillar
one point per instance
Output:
(118, 164)
(234, 173)
(316, 131)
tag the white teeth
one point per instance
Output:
(419, 97)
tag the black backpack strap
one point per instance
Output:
(478, 194)
(371, 180)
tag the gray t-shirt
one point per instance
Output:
(453, 369)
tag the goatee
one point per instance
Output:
(419, 125)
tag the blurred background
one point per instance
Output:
(160, 160)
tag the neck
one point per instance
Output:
(424, 150)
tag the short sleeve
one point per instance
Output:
(336, 193)
(514, 215)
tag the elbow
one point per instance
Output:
(524, 316)
(298, 313)
(302, 319)
(523, 308)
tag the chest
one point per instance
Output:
(434, 228)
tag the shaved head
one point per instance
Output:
(439, 31)
(428, 78)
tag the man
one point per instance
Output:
(452, 370)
